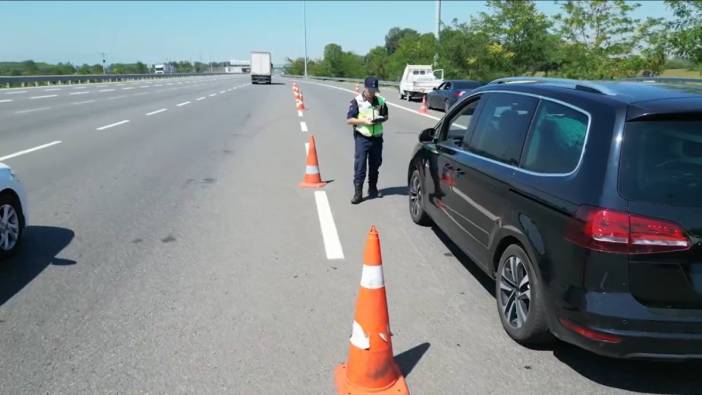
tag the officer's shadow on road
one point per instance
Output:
(638, 376)
(39, 249)
(394, 191)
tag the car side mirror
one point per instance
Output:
(427, 135)
(434, 88)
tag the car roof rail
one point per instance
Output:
(586, 86)
(665, 80)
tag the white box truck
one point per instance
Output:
(261, 67)
(418, 80)
(164, 68)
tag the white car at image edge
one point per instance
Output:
(13, 211)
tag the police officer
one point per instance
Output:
(366, 114)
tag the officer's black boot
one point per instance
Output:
(358, 195)
(373, 191)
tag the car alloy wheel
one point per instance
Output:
(9, 227)
(415, 195)
(515, 292)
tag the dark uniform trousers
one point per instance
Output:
(368, 155)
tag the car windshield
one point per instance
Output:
(661, 162)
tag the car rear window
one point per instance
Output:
(661, 162)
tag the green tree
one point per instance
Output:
(600, 38)
(411, 50)
(686, 30)
(84, 69)
(96, 69)
(395, 34)
(29, 67)
(141, 68)
(521, 31)
(376, 63)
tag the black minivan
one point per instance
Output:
(584, 201)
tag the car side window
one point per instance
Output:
(502, 127)
(457, 127)
(556, 142)
(447, 86)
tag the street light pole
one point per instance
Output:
(304, 17)
(438, 31)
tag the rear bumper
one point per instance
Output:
(260, 78)
(642, 332)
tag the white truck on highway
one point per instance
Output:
(261, 67)
(418, 80)
(164, 68)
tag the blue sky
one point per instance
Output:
(158, 31)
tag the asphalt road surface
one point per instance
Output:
(170, 250)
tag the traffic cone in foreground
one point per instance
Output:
(299, 104)
(298, 94)
(371, 368)
(312, 177)
(423, 107)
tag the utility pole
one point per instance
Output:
(103, 55)
(304, 17)
(438, 32)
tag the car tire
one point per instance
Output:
(10, 211)
(415, 193)
(520, 298)
(402, 96)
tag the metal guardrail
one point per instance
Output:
(340, 79)
(36, 80)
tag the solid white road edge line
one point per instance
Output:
(332, 244)
(20, 153)
(148, 114)
(389, 103)
(112, 125)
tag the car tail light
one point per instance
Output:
(589, 333)
(606, 230)
(459, 93)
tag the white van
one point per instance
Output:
(418, 80)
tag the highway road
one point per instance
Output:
(170, 250)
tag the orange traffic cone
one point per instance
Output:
(298, 94)
(312, 177)
(299, 104)
(371, 368)
(423, 107)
